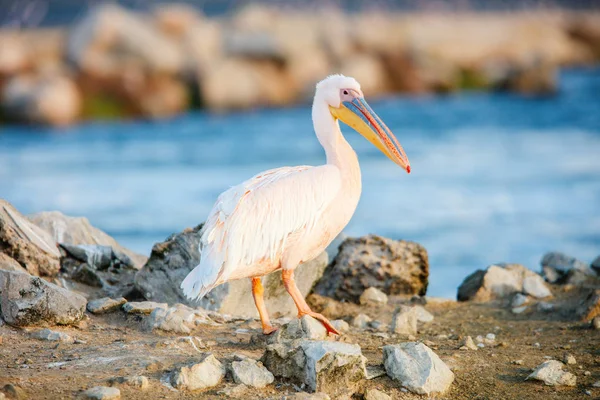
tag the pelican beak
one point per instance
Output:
(358, 115)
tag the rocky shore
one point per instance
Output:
(114, 63)
(83, 317)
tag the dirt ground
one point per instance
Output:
(115, 345)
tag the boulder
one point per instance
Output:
(105, 305)
(173, 259)
(331, 367)
(251, 373)
(551, 373)
(560, 268)
(373, 296)
(27, 244)
(28, 300)
(500, 282)
(204, 374)
(394, 267)
(404, 321)
(78, 231)
(416, 367)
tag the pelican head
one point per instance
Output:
(347, 103)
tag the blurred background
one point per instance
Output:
(137, 114)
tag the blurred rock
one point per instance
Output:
(560, 268)
(299, 328)
(173, 259)
(589, 305)
(423, 315)
(501, 281)
(105, 305)
(361, 321)
(179, 319)
(341, 325)
(102, 393)
(143, 307)
(373, 296)
(552, 374)
(404, 321)
(394, 267)
(369, 71)
(27, 300)
(9, 264)
(585, 28)
(331, 367)
(251, 373)
(176, 20)
(206, 373)
(27, 244)
(374, 394)
(595, 265)
(47, 334)
(416, 367)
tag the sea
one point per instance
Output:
(496, 177)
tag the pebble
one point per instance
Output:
(518, 362)
(423, 315)
(374, 394)
(137, 381)
(361, 321)
(596, 323)
(587, 373)
(490, 336)
(53, 336)
(142, 307)
(468, 344)
(544, 306)
(373, 296)
(551, 373)
(102, 393)
(105, 305)
(569, 359)
(519, 310)
(597, 384)
(518, 300)
(537, 345)
(480, 345)
(588, 392)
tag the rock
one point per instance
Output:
(534, 286)
(468, 344)
(551, 373)
(518, 300)
(589, 305)
(341, 325)
(569, 359)
(375, 371)
(15, 392)
(404, 321)
(78, 231)
(27, 300)
(137, 381)
(300, 328)
(331, 367)
(201, 375)
(499, 282)
(374, 297)
(102, 393)
(142, 307)
(27, 244)
(394, 267)
(543, 306)
(519, 310)
(179, 318)
(105, 305)
(251, 373)
(595, 265)
(47, 334)
(308, 396)
(361, 321)
(423, 315)
(416, 367)
(596, 384)
(173, 259)
(9, 264)
(374, 394)
(596, 323)
(560, 268)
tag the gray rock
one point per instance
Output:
(179, 318)
(534, 286)
(518, 300)
(331, 367)
(105, 305)
(373, 296)
(375, 371)
(361, 321)
(404, 321)
(307, 396)
(595, 265)
(172, 260)
(374, 394)
(201, 375)
(341, 325)
(251, 373)
(543, 306)
(25, 243)
(142, 307)
(28, 300)
(551, 373)
(53, 336)
(560, 268)
(422, 314)
(102, 393)
(299, 328)
(499, 282)
(394, 267)
(416, 367)
(78, 231)
(518, 310)
(137, 381)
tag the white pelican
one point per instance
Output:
(286, 216)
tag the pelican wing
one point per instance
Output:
(250, 223)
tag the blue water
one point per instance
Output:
(496, 177)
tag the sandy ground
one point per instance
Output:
(115, 345)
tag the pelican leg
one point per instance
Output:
(257, 293)
(303, 308)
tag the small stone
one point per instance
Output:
(341, 325)
(596, 323)
(518, 300)
(201, 375)
(361, 321)
(299, 328)
(373, 297)
(587, 373)
(569, 359)
(519, 310)
(102, 393)
(544, 306)
(142, 307)
(179, 318)
(374, 394)
(378, 326)
(375, 371)
(468, 344)
(596, 384)
(534, 285)
(537, 345)
(53, 336)
(518, 362)
(423, 315)
(137, 381)
(404, 321)
(491, 337)
(233, 390)
(251, 373)
(416, 367)
(588, 392)
(105, 305)
(551, 373)
(480, 345)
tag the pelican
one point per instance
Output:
(283, 217)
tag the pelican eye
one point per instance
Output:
(345, 92)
